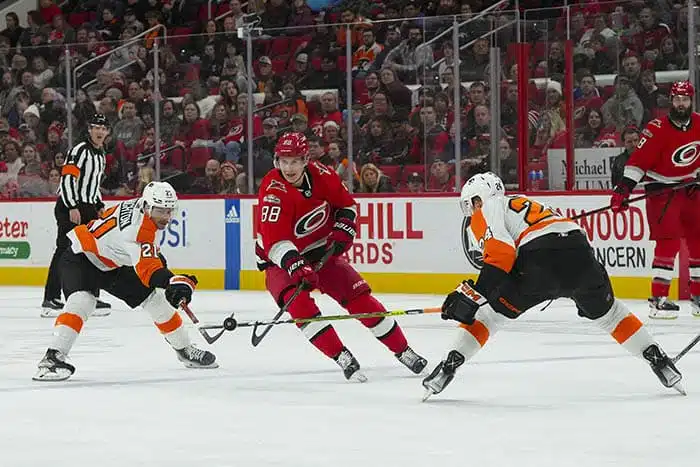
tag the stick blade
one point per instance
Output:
(211, 338)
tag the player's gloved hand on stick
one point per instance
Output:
(342, 235)
(300, 270)
(462, 304)
(620, 198)
(180, 287)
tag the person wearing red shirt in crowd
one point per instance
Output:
(668, 153)
(328, 111)
(589, 99)
(441, 176)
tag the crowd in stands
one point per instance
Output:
(402, 119)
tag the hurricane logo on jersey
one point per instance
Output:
(312, 221)
(686, 154)
(471, 246)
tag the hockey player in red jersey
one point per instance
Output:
(668, 153)
(303, 210)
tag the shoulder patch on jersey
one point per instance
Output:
(647, 133)
(272, 199)
(656, 122)
(277, 185)
(322, 168)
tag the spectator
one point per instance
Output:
(373, 181)
(653, 31)
(593, 134)
(588, 98)
(301, 15)
(211, 182)
(441, 177)
(328, 111)
(670, 56)
(317, 151)
(508, 159)
(293, 103)
(475, 64)
(228, 184)
(632, 69)
(410, 57)
(393, 40)
(377, 143)
(630, 139)
(129, 128)
(300, 124)
(651, 96)
(364, 56)
(13, 31)
(276, 15)
(415, 183)
(432, 139)
(624, 107)
(371, 87)
(330, 77)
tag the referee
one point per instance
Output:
(79, 202)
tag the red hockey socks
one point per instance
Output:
(321, 334)
(387, 330)
(694, 265)
(665, 253)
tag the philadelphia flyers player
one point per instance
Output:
(531, 255)
(668, 153)
(117, 253)
(303, 210)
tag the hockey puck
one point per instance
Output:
(230, 324)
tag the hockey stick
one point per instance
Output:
(231, 323)
(686, 349)
(639, 198)
(256, 338)
(207, 337)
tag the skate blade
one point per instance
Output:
(666, 318)
(49, 313)
(99, 312)
(427, 394)
(197, 366)
(45, 375)
(678, 387)
(358, 377)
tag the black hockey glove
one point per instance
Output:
(180, 288)
(462, 304)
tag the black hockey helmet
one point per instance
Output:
(98, 119)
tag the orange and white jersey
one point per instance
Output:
(505, 223)
(123, 236)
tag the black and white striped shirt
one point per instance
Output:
(81, 175)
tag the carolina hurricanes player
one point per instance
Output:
(118, 253)
(531, 255)
(303, 210)
(668, 153)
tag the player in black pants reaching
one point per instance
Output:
(79, 202)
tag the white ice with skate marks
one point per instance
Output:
(549, 390)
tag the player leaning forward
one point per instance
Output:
(532, 255)
(303, 210)
(668, 153)
(117, 253)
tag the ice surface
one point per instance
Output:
(550, 390)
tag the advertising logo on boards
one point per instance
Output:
(14, 242)
(175, 234)
(471, 251)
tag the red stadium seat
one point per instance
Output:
(279, 66)
(279, 47)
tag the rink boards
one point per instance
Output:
(404, 245)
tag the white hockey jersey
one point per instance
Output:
(123, 236)
(505, 223)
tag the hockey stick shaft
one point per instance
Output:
(245, 324)
(209, 338)
(256, 338)
(639, 198)
(686, 349)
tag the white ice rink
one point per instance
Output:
(550, 390)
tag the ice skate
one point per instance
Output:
(412, 360)
(53, 367)
(102, 309)
(350, 366)
(662, 308)
(51, 308)
(695, 306)
(441, 376)
(194, 357)
(664, 368)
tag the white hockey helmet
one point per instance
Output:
(159, 195)
(486, 185)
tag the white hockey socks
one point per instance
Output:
(167, 319)
(76, 311)
(626, 329)
(472, 337)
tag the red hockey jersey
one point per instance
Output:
(666, 153)
(291, 218)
